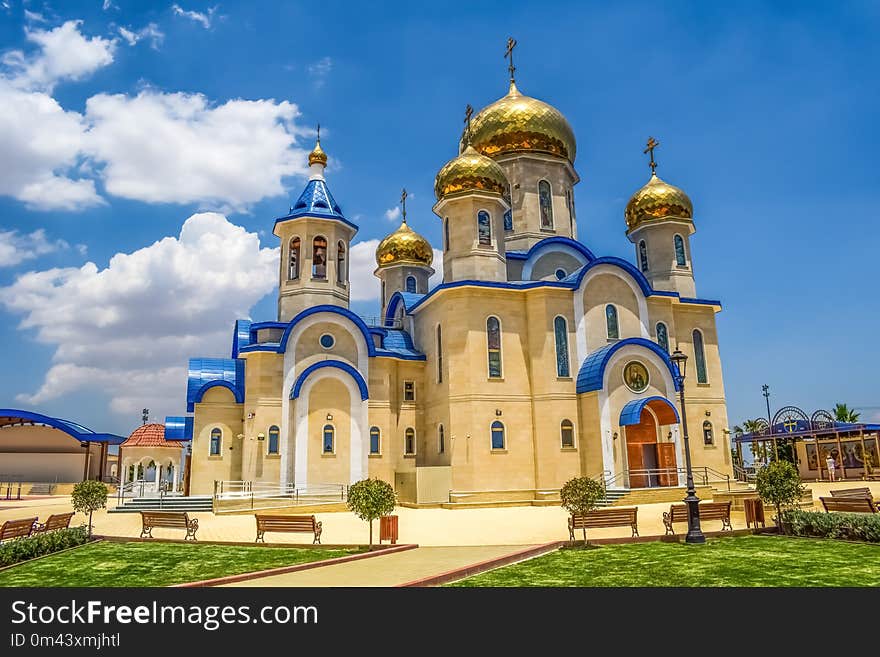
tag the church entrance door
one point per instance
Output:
(650, 463)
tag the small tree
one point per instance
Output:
(580, 495)
(369, 499)
(89, 496)
(779, 484)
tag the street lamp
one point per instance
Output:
(694, 534)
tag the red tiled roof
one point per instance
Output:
(149, 435)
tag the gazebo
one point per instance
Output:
(147, 446)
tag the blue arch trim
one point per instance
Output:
(206, 373)
(327, 308)
(592, 370)
(345, 367)
(550, 241)
(578, 276)
(631, 413)
(408, 299)
(74, 430)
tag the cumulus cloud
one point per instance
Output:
(151, 32)
(319, 71)
(16, 247)
(391, 214)
(203, 18)
(128, 329)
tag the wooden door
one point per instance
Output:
(666, 459)
(636, 462)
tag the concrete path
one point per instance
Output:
(387, 570)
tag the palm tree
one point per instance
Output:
(842, 413)
(758, 448)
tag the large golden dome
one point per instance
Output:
(406, 246)
(657, 200)
(469, 172)
(521, 123)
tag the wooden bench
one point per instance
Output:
(55, 521)
(848, 504)
(708, 511)
(170, 519)
(17, 528)
(856, 493)
(611, 517)
(305, 524)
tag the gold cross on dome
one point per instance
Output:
(319, 133)
(511, 44)
(468, 113)
(652, 144)
(403, 196)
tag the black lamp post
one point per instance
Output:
(694, 534)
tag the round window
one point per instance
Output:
(635, 376)
(560, 274)
(327, 341)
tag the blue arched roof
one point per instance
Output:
(327, 308)
(631, 413)
(592, 370)
(345, 367)
(178, 427)
(241, 335)
(409, 299)
(10, 416)
(207, 373)
(628, 267)
(558, 240)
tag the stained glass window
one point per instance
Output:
(374, 440)
(679, 251)
(567, 434)
(546, 202)
(663, 336)
(611, 322)
(643, 255)
(216, 439)
(329, 434)
(293, 271)
(700, 357)
(484, 227)
(439, 355)
(319, 258)
(274, 433)
(409, 441)
(497, 435)
(560, 328)
(508, 215)
(411, 284)
(493, 335)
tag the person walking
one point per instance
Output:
(830, 464)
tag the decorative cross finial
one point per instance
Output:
(319, 133)
(652, 144)
(511, 44)
(403, 196)
(468, 113)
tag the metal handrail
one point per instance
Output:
(702, 475)
(262, 490)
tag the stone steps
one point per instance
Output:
(193, 504)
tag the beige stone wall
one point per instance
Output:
(464, 257)
(218, 409)
(604, 289)
(331, 396)
(663, 271)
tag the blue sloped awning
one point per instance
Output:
(12, 416)
(664, 409)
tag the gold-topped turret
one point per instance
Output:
(470, 171)
(657, 199)
(318, 156)
(404, 245)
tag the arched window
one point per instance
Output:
(611, 322)
(441, 440)
(216, 441)
(341, 274)
(508, 215)
(700, 357)
(446, 234)
(708, 436)
(679, 251)
(497, 435)
(663, 336)
(329, 439)
(484, 228)
(493, 338)
(545, 200)
(643, 255)
(274, 434)
(560, 329)
(375, 435)
(409, 441)
(411, 284)
(439, 355)
(566, 432)
(293, 267)
(319, 258)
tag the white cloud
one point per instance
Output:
(392, 214)
(319, 70)
(34, 16)
(16, 247)
(204, 19)
(128, 330)
(437, 277)
(151, 32)
(108, 4)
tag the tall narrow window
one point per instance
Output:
(441, 440)
(508, 215)
(611, 322)
(329, 437)
(679, 251)
(560, 329)
(446, 234)
(708, 436)
(700, 357)
(319, 258)
(341, 274)
(411, 284)
(375, 435)
(663, 336)
(409, 441)
(439, 355)
(484, 228)
(545, 201)
(569, 203)
(293, 265)
(497, 435)
(274, 434)
(493, 336)
(643, 255)
(566, 432)
(216, 441)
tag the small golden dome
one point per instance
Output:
(404, 245)
(318, 156)
(521, 123)
(468, 172)
(657, 200)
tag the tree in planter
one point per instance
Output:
(89, 496)
(779, 484)
(369, 499)
(580, 495)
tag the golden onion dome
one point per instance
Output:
(405, 246)
(318, 156)
(657, 200)
(470, 172)
(521, 123)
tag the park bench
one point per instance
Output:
(848, 504)
(611, 517)
(708, 511)
(170, 519)
(279, 523)
(17, 528)
(856, 493)
(55, 521)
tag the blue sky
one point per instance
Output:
(123, 120)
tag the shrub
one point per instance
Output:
(580, 495)
(89, 496)
(847, 526)
(370, 499)
(31, 547)
(779, 484)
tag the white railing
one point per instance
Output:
(259, 493)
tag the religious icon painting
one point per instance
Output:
(812, 457)
(635, 376)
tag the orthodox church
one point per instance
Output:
(534, 361)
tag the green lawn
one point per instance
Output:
(155, 564)
(735, 561)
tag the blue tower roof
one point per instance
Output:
(316, 201)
